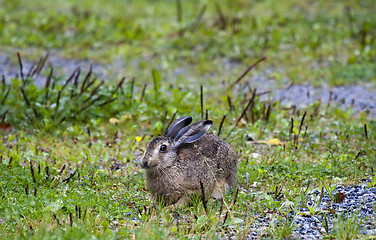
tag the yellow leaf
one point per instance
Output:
(125, 117)
(114, 120)
(274, 141)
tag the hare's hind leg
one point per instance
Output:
(231, 178)
(183, 201)
(219, 188)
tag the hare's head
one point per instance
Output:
(162, 151)
(158, 153)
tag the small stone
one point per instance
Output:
(306, 226)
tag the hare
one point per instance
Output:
(186, 157)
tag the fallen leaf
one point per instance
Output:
(339, 197)
(274, 141)
(114, 120)
(6, 127)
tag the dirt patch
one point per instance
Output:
(360, 98)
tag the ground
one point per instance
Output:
(293, 83)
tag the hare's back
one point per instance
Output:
(213, 149)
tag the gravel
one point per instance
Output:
(357, 211)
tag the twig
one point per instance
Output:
(62, 169)
(35, 112)
(291, 127)
(296, 138)
(224, 220)
(107, 102)
(120, 85)
(47, 86)
(143, 92)
(57, 101)
(74, 73)
(3, 81)
(41, 65)
(236, 195)
(32, 171)
(220, 125)
(70, 219)
(31, 70)
(179, 16)
(21, 67)
(75, 84)
(301, 123)
(305, 131)
(231, 107)
(247, 71)
(244, 111)
(202, 102)
(172, 119)
(69, 178)
(365, 131)
(94, 91)
(5, 97)
(198, 18)
(221, 208)
(57, 220)
(4, 115)
(132, 87)
(222, 18)
(86, 78)
(25, 97)
(89, 84)
(47, 172)
(92, 103)
(203, 197)
(268, 113)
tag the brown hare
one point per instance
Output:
(186, 155)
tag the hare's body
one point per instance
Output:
(175, 174)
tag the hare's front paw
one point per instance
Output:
(183, 201)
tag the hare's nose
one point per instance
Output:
(144, 164)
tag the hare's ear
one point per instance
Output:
(192, 132)
(177, 125)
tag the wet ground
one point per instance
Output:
(360, 98)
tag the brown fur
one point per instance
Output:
(173, 176)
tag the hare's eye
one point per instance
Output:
(163, 148)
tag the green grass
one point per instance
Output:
(70, 170)
(79, 178)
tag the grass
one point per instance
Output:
(317, 42)
(69, 153)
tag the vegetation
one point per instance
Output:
(69, 150)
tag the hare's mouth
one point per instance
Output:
(148, 165)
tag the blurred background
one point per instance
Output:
(317, 42)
